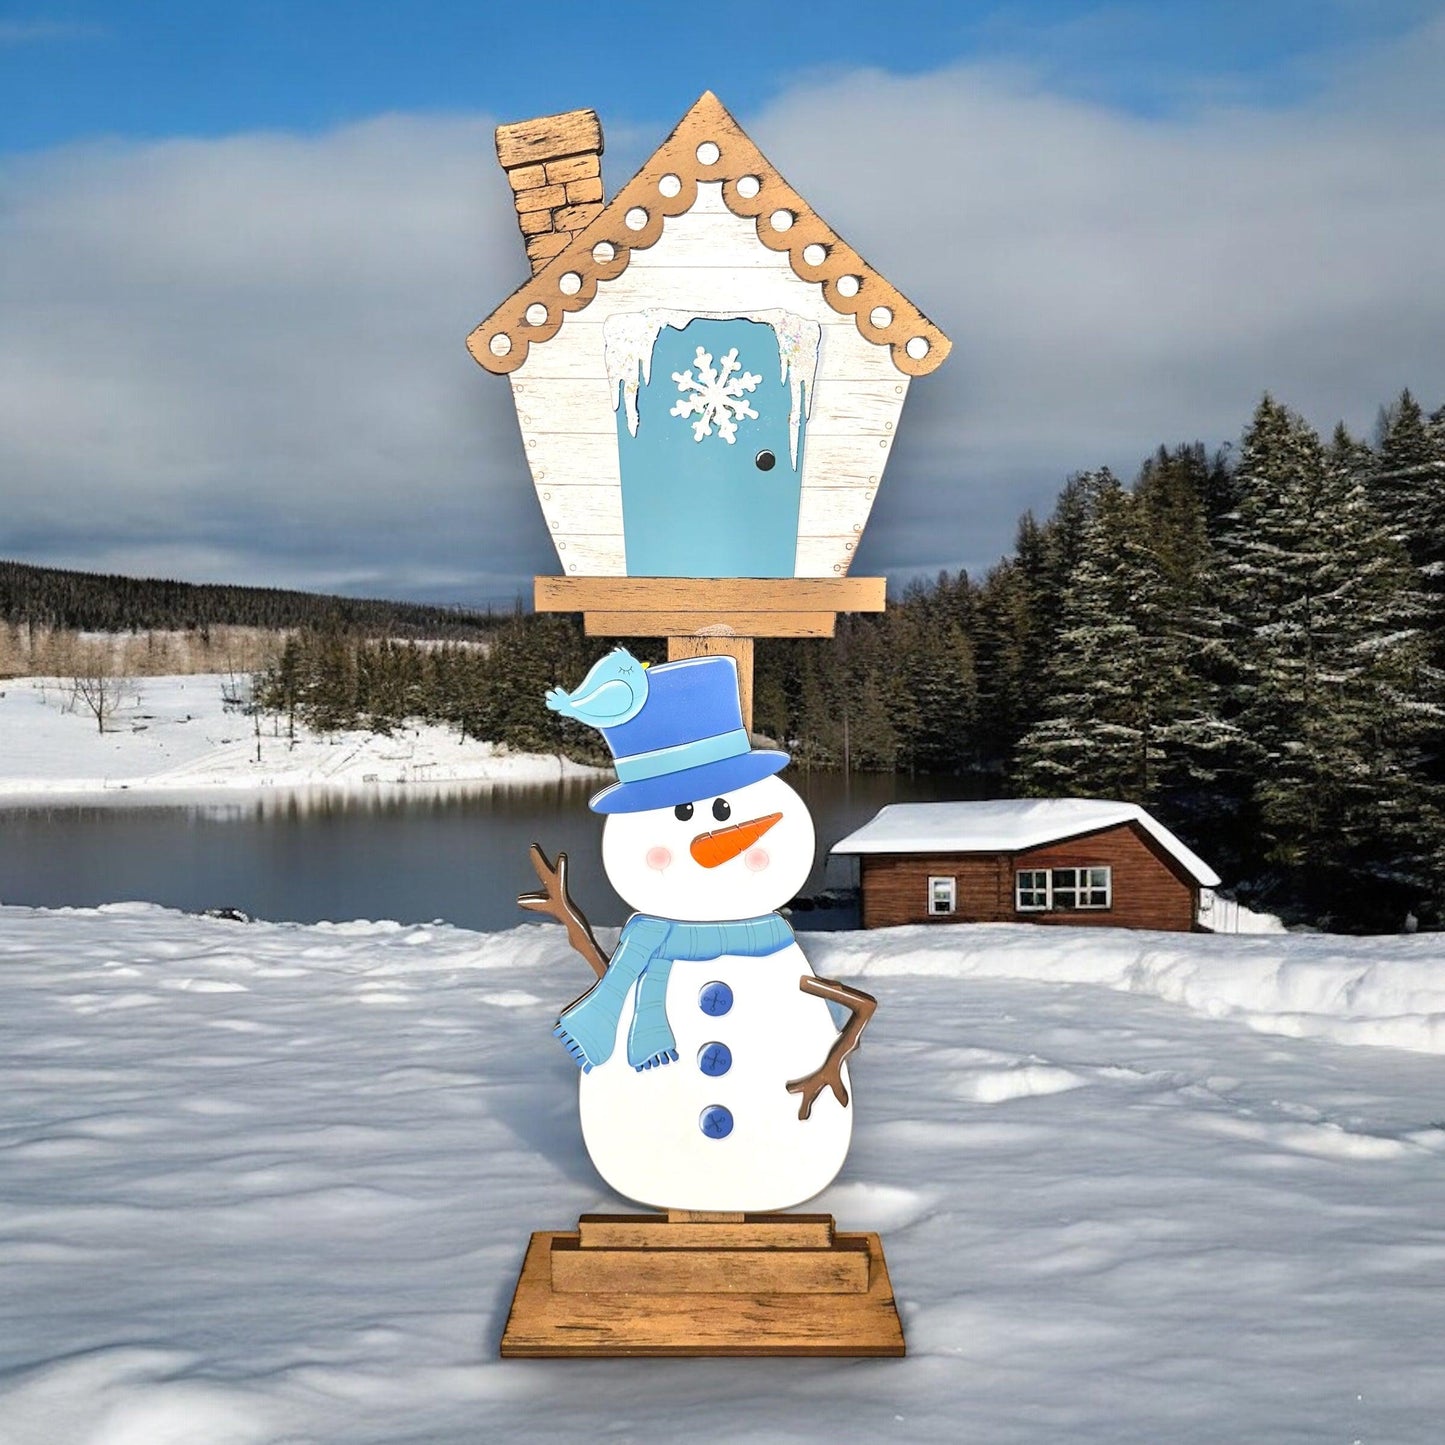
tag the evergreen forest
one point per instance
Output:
(1250, 644)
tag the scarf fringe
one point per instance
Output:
(579, 1054)
(666, 1056)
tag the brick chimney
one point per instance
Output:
(555, 166)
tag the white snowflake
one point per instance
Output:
(715, 396)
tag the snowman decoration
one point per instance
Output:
(713, 1074)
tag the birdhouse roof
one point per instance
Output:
(707, 145)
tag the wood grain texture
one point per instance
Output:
(527, 178)
(574, 168)
(750, 1231)
(1150, 888)
(841, 406)
(677, 165)
(841, 1269)
(549, 1323)
(678, 624)
(591, 555)
(540, 198)
(822, 556)
(740, 649)
(742, 594)
(834, 511)
(543, 247)
(587, 189)
(577, 218)
(590, 511)
(545, 137)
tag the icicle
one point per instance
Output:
(798, 342)
(630, 337)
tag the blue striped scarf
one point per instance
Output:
(644, 957)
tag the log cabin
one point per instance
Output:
(1033, 860)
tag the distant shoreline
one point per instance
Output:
(175, 735)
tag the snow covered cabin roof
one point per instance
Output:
(708, 145)
(1009, 826)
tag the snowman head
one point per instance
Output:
(733, 854)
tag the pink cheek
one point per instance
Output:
(659, 859)
(757, 859)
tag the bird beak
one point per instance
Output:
(719, 846)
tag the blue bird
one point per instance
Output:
(612, 693)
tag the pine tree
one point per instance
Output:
(1200, 779)
(927, 675)
(1407, 485)
(1099, 733)
(1332, 681)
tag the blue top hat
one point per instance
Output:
(686, 742)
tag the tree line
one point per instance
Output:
(56, 600)
(1252, 646)
(1250, 643)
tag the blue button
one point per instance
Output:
(715, 998)
(714, 1059)
(716, 1122)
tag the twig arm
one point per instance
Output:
(830, 1074)
(556, 902)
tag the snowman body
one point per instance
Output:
(717, 1129)
(714, 1128)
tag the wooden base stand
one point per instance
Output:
(754, 1284)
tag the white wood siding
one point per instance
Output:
(707, 260)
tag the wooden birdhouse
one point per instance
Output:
(708, 381)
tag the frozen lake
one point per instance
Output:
(457, 853)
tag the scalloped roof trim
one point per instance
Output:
(707, 145)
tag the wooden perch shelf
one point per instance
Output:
(711, 615)
(749, 606)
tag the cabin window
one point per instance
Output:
(942, 893)
(1031, 889)
(1064, 890)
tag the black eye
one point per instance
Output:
(721, 809)
(765, 461)
(682, 812)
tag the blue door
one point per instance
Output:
(711, 479)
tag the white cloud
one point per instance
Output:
(1112, 282)
(243, 358)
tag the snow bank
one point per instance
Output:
(175, 733)
(1386, 990)
(267, 1183)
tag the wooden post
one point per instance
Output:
(711, 616)
(740, 649)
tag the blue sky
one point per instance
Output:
(240, 245)
(190, 69)
(183, 68)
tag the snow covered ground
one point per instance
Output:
(175, 733)
(272, 1183)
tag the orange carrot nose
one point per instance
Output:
(710, 849)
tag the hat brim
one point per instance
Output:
(690, 785)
